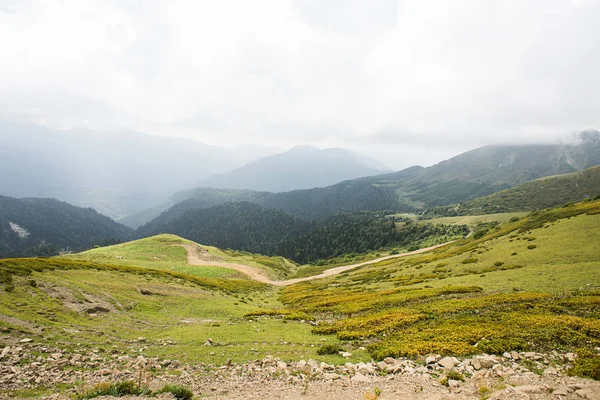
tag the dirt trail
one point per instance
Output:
(194, 258)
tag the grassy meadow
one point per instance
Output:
(533, 284)
(473, 220)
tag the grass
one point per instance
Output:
(504, 297)
(473, 220)
(164, 252)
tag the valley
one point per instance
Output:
(528, 287)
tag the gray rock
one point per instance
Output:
(26, 340)
(328, 376)
(360, 378)
(561, 391)
(447, 362)
(514, 355)
(486, 361)
(281, 365)
(366, 369)
(431, 359)
(453, 383)
(530, 389)
(389, 360)
(587, 394)
(382, 366)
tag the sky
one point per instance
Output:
(406, 81)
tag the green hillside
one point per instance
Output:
(249, 227)
(42, 227)
(539, 194)
(470, 175)
(166, 252)
(529, 285)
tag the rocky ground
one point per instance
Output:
(510, 376)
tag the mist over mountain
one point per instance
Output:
(488, 169)
(116, 173)
(475, 173)
(302, 167)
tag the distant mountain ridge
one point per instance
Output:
(33, 226)
(116, 173)
(473, 174)
(302, 167)
(490, 169)
(539, 194)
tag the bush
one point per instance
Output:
(498, 264)
(587, 364)
(329, 349)
(115, 389)
(514, 219)
(452, 375)
(531, 246)
(480, 233)
(469, 261)
(178, 391)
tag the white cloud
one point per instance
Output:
(377, 76)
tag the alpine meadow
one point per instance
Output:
(300, 199)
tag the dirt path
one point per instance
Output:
(203, 259)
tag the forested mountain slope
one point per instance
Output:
(490, 169)
(476, 173)
(535, 195)
(254, 228)
(34, 226)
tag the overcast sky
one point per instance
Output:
(413, 81)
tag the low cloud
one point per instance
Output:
(432, 74)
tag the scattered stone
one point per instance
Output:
(453, 383)
(360, 378)
(530, 389)
(26, 340)
(431, 359)
(447, 362)
(561, 391)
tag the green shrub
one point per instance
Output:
(587, 364)
(480, 233)
(499, 346)
(469, 261)
(178, 391)
(514, 219)
(329, 349)
(531, 246)
(115, 389)
(498, 264)
(452, 375)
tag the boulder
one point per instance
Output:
(447, 362)
(328, 376)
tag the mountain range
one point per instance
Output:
(473, 174)
(302, 167)
(121, 173)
